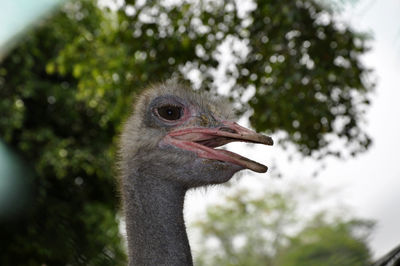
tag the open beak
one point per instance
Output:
(203, 142)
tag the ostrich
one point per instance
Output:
(167, 147)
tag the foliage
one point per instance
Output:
(247, 230)
(68, 144)
(314, 68)
(67, 87)
(321, 243)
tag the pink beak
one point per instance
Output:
(202, 141)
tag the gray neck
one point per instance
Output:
(154, 221)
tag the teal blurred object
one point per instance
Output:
(14, 184)
(17, 16)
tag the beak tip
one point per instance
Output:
(260, 169)
(268, 140)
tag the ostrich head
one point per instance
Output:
(168, 146)
(174, 133)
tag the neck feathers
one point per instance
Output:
(154, 221)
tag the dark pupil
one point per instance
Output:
(170, 112)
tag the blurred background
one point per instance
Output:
(320, 76)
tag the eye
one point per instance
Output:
(170, 112)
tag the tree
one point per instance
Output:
(272, 230)
(66, 89)
(322, 243)
(71, 218)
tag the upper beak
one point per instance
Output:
(203, 141)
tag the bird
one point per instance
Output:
(168, 145)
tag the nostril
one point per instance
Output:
(227, 129)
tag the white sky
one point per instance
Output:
(369, 183)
